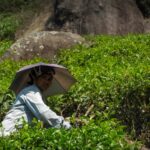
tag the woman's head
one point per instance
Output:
(44, 81)
(42, 77)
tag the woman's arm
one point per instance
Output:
(41, 111)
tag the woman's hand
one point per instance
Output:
(66, 125)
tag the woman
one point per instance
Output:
(29, 104)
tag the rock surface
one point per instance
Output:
(45, 44)
(88, 17)
(76, 16)
(96, 17)
(147, 25)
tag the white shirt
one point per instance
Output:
(28, 105)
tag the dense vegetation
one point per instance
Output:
(113, 78)
(95, 135)
(14, 14)
(109, 106)
(17, 5)
(114, 74)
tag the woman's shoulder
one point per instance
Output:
(33, 88)
(29, 89)
(30, 93)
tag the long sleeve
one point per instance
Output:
(33, 100)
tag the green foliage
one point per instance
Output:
(108, 69)
(112, 74)
(16, 5)
(95, 135)
(8, 25)
(5, 102)
(14, 14)
(9, 5)
(4, 45)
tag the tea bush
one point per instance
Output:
(94, 136)
(113, 73)
(4, 45)
(113, 81)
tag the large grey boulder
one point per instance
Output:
(87, 17)
(43, 44)
(96, 17)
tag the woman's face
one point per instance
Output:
(44, 81)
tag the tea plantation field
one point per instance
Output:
(109, 106)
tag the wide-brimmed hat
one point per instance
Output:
(62, 79)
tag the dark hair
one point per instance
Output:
(39, 71)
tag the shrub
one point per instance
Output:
(95, 135)
(113, 76)
(8, 25)
(4, 45)
(17, 5)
